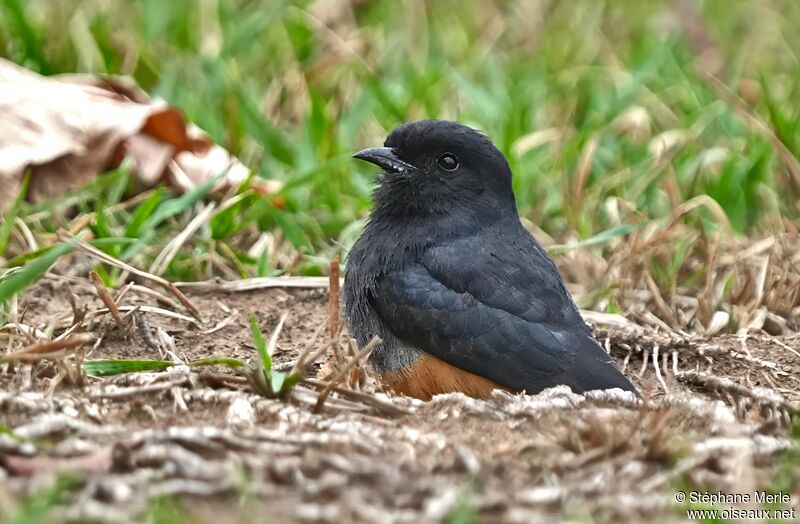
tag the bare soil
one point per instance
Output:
(715, 417)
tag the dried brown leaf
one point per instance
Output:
(68, 129)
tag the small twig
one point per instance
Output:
(661, 305)
(309, 397)
(77, 375)
(78, 312)
(627, 358)
(69, 331)
(355, 382)
(50, 349)
(163, 259)
(108, 259)
(55, 381)
(153, 293)
(105, 296)
(768, 364)
(338, 355)
(352, 347)
(657, 367)
(137, 390)
(223, 323)
(124, 291)
(675, 371)
(256, 283)
(27, 234)
(183, 299)
(149, 309)
(273, 339)
(27, 331)
(301, 364)
(644, 363)
(179, 403)
(317, 354)
(610, 320)
(217, 379)
(366, 398)
(786, 347)
(35, 357)
(307, 357)
(342, 372)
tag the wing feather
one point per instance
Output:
(512, 322)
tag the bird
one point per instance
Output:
(460, 294)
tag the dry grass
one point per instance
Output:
(718, 284)
(715, 413)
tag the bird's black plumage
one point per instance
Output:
(445, 267)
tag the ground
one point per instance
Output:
(198, 445)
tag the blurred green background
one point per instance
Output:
(612, 113)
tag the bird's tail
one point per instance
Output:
(595, 369)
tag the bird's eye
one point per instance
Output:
(448, 162)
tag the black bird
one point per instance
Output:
(462, 296)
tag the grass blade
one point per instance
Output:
(291, 380)
(278, 382)
(29, 273)
(13, 212)
(261, 345)
(145, 210)
(233, 363)
(108, 368)
(604, 237)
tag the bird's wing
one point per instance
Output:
(506, 318)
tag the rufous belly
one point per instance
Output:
(431, 376)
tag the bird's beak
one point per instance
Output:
(385, 158)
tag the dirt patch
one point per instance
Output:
(715, 418)
(230, 312)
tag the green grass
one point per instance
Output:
(263, 378)
(293, 90)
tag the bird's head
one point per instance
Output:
(435, 167)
